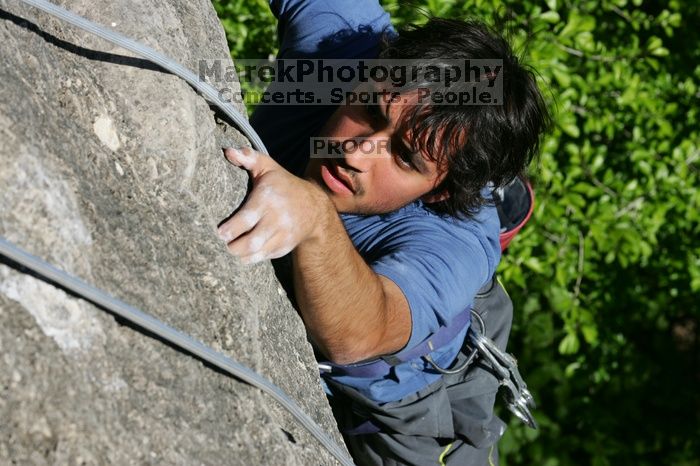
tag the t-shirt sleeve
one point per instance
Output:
(329, 28)
(439, 271)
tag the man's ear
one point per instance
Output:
(435, 196)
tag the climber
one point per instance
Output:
(385, 251)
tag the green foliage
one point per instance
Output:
(251, 33)
(605, 279)
(250, 27)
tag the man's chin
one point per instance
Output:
(344, 204)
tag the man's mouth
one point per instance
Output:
(338, 182)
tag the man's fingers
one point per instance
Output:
(240, 158)
(262, 255)
(261, 230)
(243, 221)
(255, 162)
(253, 242)
(275, 253)
(261, 244)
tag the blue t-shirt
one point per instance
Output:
(438, 262)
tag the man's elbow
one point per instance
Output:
(360, 349)
(348, 353)
(344, 359)
(387, 332)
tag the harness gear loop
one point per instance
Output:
(470, 358)
(517, 396)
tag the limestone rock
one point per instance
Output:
(112, 170)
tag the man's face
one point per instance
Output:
(377, 177)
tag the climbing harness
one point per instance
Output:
(503, 366)
(381, 366)
(140, 318)
(518, 398)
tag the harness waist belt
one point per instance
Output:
(381, 366)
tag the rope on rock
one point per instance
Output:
(136, 316)
(165, 62)
(171, 335)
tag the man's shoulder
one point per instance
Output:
(330, 29)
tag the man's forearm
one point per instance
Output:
(351, 313)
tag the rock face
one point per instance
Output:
(113, 171)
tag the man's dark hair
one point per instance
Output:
(501, 140)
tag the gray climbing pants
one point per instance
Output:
(450, 422)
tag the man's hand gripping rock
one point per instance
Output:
(281, 212)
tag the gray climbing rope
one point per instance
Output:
(165, 62)
(130, 313)
(179, 339)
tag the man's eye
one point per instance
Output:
(405, 157)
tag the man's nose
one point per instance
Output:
(363, 153)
